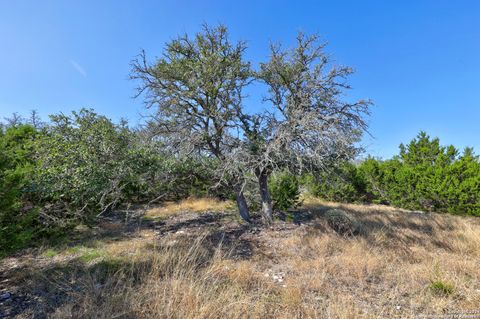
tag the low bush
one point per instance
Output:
(426, 176)
(343, 183)
(285, 191)
(18, 218)
(342, 222)
(441, 288)
(82, 165)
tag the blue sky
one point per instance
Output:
(419, 61)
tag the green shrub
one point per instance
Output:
(285, 191)
(427, 176)
(89, 165)
(85, 162)
(81, 165)
(441, 288)
(342, 183)
(424, 176)
(18, 219)
(342, 222)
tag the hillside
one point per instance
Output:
(196, 259)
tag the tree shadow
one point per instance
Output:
(398, 226)
(38, 289)
(46, 289)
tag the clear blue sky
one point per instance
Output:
(418, 60)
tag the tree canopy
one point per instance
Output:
(196, 88)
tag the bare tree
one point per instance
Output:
(35, 120)
(309, 125)
(196, 88)
(14, 120)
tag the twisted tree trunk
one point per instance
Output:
(242, 205)
(267, 210)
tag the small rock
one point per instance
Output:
(399, 307)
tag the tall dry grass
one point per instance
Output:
(185, 280)
(192, 205)
(393, 269)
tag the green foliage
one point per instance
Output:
(85, 162)
(343, 183)
(342, 222)
(285, 191)
(441, 288)
(50, 253)
(89, 165)
(77, 167)
(80, 166)
(17, 220)
(427, 176)
(424, 176)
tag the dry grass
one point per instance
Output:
(191, 205)
(402, 265)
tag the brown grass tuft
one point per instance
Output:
(189, 205)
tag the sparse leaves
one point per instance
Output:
(196, 88)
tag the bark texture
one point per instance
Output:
(242, 206)
(267, 209)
